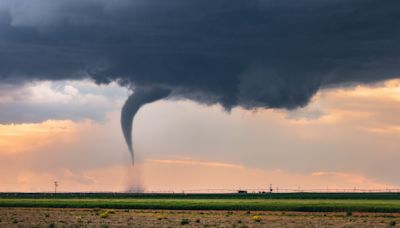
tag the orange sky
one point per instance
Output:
(344, 138)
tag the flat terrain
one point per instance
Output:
(302, 205)
(199, 210)
(71, 217)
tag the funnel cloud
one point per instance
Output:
(132, 106)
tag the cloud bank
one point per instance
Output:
(249, 53)
(61, 100)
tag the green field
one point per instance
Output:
(308, 203)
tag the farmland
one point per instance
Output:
(378, 202)
(200, 210)
(73, 217)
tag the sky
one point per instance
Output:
(345, 138)
(199, 94)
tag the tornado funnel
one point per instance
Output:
(140, 97)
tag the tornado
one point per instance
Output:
(140, 97)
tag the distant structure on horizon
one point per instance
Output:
(55, 187)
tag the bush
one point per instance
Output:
(185, 221)
(349, 213)
(256, 218)
(104, 214)
(392, 223)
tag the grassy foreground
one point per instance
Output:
(303, 205)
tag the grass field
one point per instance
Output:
(199, 210)
(302, 205)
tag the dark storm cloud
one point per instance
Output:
(253, 53)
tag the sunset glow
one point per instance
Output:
(332, 116)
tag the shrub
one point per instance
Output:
(392, 223)
(104, 214)
(185, 221)
(256, 218)
(349, 213)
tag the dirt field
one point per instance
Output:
(50, 217)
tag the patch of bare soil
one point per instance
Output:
(51, 217)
